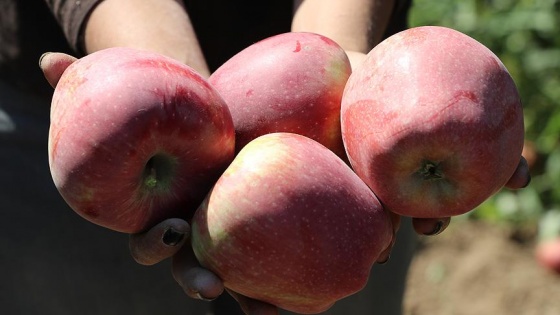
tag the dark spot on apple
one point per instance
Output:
(249, 93)
(298, 46)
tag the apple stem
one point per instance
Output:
(430, 171)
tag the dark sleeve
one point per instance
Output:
(399, 18)
(72, 16)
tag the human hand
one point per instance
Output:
(53, 65)
(169, 239)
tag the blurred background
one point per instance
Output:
(484, 263)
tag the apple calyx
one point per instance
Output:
(430, 170)
(158, 173)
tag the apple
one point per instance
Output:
(291, 82)
(547, 249)
(136, 137)
(547, 253)
(290, 223)
(432, 121)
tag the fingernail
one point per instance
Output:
(172, 237)
(200, 297)
(386, 254)
(385, 260)
(42, 56)
(437, 229)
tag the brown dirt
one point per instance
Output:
(480, 268)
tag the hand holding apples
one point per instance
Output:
(166, 238)
(212, 285)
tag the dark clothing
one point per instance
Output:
(29, 28)
(53, 261)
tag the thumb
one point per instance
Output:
(53, 65)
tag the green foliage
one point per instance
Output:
(525, 35)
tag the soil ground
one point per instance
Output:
(477, 268)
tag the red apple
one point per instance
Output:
(136, 137)
(547, 254)
(289, 223)
(547, 250)
(291, 82)
(432, 121)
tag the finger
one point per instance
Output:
(53, 65)
(196, 281)
(160, 242)
(430, 226)
(521, 177)
(252, 306)
(386, 254)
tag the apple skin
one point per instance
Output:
(135, 138)
(547, 254)
(432, 121)
(291, 82)
(289, 223)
